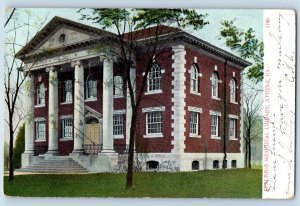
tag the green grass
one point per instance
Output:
(239, 183)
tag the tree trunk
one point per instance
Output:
(129, 178)
(246, 155)
(225, 116)
(11, 148)
(249, 156)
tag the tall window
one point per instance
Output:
(154, 122)
(67, 91)
(194, 78)
(194, 117)
(232, 128)
(154, 78)
(40, 129)
(118, 86)
(40, 98)
(67, 128)
(214, 125)
(118, 124)
(91, 87)
(214, 85)
(232, 86)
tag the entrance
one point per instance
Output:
(92, 135)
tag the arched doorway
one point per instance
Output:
(92, 135)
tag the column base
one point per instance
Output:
(77, 152)
(107, 151)
(51, 153)
(26, 159)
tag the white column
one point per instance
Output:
(128, 104)
(108, 140)
(53, 112)
(78, 107)
(29, 118)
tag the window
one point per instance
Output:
(194, 125)
(118, 124)
(214, 125)
(67, 91)
(232, 128)
(194, 79)
(233, 164)
(118, 86)
(91, 87)
(154, 78)
(195, 165)
(40, 100)
(152, 165)
(232, 86)
(154, 122)
(214, 85)
(67, 128)
(216, 164)
(62, 38)
(40, 130)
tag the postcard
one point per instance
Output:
(159, 103)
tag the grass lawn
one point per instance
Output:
(239, 183)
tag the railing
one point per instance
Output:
(92, 148)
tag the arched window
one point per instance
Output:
(67, 91)
(91, 87)
(232, 86)
(195, 165)
(194, 78)
(154, 78)
(118, 86)
(233, 164)
(150, 165)
(214, 85)
(216, 164)
(40, 97)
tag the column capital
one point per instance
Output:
(77, 63)
(52, 69)
(107, 56)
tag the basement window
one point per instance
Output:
(151, 165)
(233, 164)
(216, 164)
(195, 165)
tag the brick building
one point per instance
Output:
(78, 107)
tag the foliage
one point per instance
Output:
(245, 44)
(6, 155)
(236, 183)
(19, 147)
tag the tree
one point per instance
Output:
(125, 21)
(14, 77)
(246, 45)
(19, 147)
(252, 120)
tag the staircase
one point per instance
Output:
(55, 164)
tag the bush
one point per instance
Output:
(19, 147)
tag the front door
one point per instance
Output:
(93, 135)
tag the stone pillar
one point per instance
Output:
(52, 112)
(78, 107)
(128, 104)
(29, 118)
(107, 99)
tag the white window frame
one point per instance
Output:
(119, 126)
(196, 124)
(38, 122)
(194, 85)
(91, 84)
(155, 68)
(198, 111)
(215, 86)
(64, 122)
(148, 111)
(214, 114)
(40, 95)
(232, 86)
(232, 122)
(118, 87)
(235, 118)
(65, 93)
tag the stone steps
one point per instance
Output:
(56, 164)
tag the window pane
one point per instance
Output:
(40, 130)
(193, 122)
(154, 120)
(67, 128)
(118, 124)
(154, 78)
(214, 125)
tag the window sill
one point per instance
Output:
(63, 103)
(153, 92)
(119, 136)
(118, 96)
(233, 138)
(91, 100)
(65, 139)
(39, 105)
(154, 135)
(215, 137)
(234, 102)
(216, 98)
(196, 93)
(195, 136)
(40, 140)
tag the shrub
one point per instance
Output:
(19, 147)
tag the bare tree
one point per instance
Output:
(252, 107)
(14, 77)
